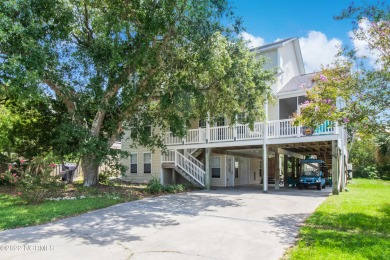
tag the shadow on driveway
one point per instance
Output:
(117, 223)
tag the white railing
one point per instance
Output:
(190, 168)
(191, 150)
(275, 129)
(282, 128)
(172, 139)
(245, 133)
(196, 136)
(168, 156)
(221, 134)
(194, 160)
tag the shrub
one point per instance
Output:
(8, 178)
(103, 178)
(154, 186)
(370, 172)
(37, 183)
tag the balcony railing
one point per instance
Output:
(275, 129)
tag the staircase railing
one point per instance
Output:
(193, 159)
(194, 171)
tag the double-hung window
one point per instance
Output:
(216, 167)
(133, 163)
(147, 163)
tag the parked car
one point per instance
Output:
(312, 174)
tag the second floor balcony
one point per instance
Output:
(276, 129)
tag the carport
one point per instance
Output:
(282, 160)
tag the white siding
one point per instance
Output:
(140, 176)
(273, 111)
(288, 64)
(271, 59)
(255, 165)
(219, 182)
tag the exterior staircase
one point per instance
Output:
(186, 165)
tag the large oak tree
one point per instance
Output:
(120, 64)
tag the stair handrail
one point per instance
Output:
(199, 171)
(194, 160)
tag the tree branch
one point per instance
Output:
(86, 23)
(59, 91)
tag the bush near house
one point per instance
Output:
(353, 225)
(155, 187)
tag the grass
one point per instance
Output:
(17, 212)
(14, 212)
(353, 225)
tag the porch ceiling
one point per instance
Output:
(322, 149)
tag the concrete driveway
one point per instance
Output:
(240, 223)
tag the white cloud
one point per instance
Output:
(361, 46)
(252, 40)
(317, 50)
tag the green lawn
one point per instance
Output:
(353, 225)
(16, 213)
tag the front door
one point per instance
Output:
(244, 171)
(229, 171)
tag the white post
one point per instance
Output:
(285, 170)
(235, 130)
(342, 160)
(265, 154)
(277, 172)
(265, 168)
(207, 168)
(162, 171)
(175, 157)
(335, 169)
(208, 128)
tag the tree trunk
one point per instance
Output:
(90, 170)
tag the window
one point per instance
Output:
(236, 165)
(147, 163)
(220, 121)
(215, 167)
(148, 129)
(133, 163)
(136, 132)
(240, 118)
(202, 123)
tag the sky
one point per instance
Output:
(311, 21)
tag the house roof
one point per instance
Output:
(116, 146)
(281, 43)
(297, 82)
(273, 45)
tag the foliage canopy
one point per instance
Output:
(117, 65)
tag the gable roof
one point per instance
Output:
(296, 82)
(273, 45)
(279, 44)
